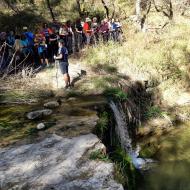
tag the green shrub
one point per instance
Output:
(99, 155)
(32, 131)
(154, 111)
(125, 171)
(116, 93)
(102, 124)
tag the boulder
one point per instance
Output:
(38, 114)
(56, 163)
(72, 99)
(51, 105)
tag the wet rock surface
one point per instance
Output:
(57, 156)
(38, 114)
(51, 105)
(56, 163)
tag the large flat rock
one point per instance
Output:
(56, 163)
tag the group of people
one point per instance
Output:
(42, 46)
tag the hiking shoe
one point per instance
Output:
(67, 87)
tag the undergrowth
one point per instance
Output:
(116, 93)
(99, 155)
(154, 111)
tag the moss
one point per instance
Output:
(148, 151)
(125, 171)
(73, 93)
(102, 124)
(25, 96)
(154, 111)
(116, 93)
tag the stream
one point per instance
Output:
(77, 116)
(73, 117)
(171, 171)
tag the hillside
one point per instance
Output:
(124, 124)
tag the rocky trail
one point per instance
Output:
(57, 155)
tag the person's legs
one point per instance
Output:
(41, 56)
(66, 76)
(88, 40)
(67, 80)
(46, 57)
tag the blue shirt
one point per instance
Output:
(64, 53)
(11, 40)
(113, 26)
(30, 37)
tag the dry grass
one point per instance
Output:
(162, 59)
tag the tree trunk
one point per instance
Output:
(144, 6)
(138, 14)
(50, 9)
(79, 7)
(169, 12)
(106, 8)
(10, 5)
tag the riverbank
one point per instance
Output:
(156, 112)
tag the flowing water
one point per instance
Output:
(122, 128)
(172, 171)
(73, 117)
(172, 149)
(125, 140)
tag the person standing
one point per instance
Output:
(113, 29)
(70, 37)
(104, 30)
(40, 43)
(30, 37)
(63, 32)
(79, 35)
(95, 28)
(11, 38)
(46, 31)
(87, 31)
(62, 57)
(119, 31)
(53, 44)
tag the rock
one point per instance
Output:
(38, 114)
(41, 126)
(51, 105)
(56, 163)
(72, 99)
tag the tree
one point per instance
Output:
(11, 5)
(142, 10)
(165, 7)
(50, 10)
(105, 7)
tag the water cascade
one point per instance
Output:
(122, 131)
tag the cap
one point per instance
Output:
(88, 19)
(25, 28)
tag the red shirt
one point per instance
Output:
(87, 28)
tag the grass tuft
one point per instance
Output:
(116, 93)
(99, 155)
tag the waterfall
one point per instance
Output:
(125, 140)
(121, 127)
